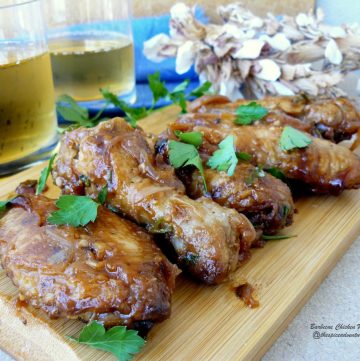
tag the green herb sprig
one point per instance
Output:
(118, 340)
(225, 158)
(292, 138)
(249, 113)
(44, 176)
(183, 154)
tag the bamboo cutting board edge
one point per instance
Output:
(264, 333)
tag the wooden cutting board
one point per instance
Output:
(207, 323)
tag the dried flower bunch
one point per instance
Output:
(252, 56)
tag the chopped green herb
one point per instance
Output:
(191, 258)
(160, 227)
(257, 172)
(3, 205)
(85, 180)
(132, 114)
(276, 237)
(179, 99)
(157, 87)
(44, 176)
(103, 194)
(292, 138)
(123, 343)
(285, 212)
(201, 90)
(181, 87)
(277, 173)
(194, 138)
(224, 159)
(74, 210)
(243, 156)
(182, 154)
(249, 113)
(72, 112)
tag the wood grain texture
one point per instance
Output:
(259, 7)
(207, 323)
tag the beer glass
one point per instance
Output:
(91, 47)
(27, 109)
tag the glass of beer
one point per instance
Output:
(91, 47)
(27, 101)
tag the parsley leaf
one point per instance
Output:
(103, 194)
(224, 159)
(257, 172)
(179, 99)
(201, 90)
(157, 87)
(3, 205)
(74, 210)
(181, 155)
(243, 156)
(180, 88)
(292, 138)
(276, 237)
(123, 343)
(44, 176)
(247, 114)
(76, 114)
(277, 173)
(132, 114)
(194, 138)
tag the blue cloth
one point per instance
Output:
(144, 29)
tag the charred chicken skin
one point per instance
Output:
(322, 167)
(110, 270)
(333, 119)
(265, 200)
(206, 237)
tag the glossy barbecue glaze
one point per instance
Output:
(322, 167)
(206, 237)
(110, 270)
(334, 119)
(265, 200)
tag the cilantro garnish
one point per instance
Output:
(157, 88)
(277, 173)
(3, 205)
(103, 194)
(257, 172)
(194, 138)
(74, 210)
(276, 237)
(132, 115)
(224, 159)
(249, 113)
(182, 154)
(44, 176)
(118, 340)
(243, 156)
(292, 138)
(76, 114)
(201, 90)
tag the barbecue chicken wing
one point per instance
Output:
(333, 119)
(323, 167)
(206, 237)
(265, 200)
(110, 270)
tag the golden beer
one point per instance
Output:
(82, 66)
(27, 114)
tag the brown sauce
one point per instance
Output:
(245, 293)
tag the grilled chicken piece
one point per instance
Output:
(265, 200)
(323, 167)
(334, 119)
(110, 270)
(206, 237)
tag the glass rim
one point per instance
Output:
(24, 2)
